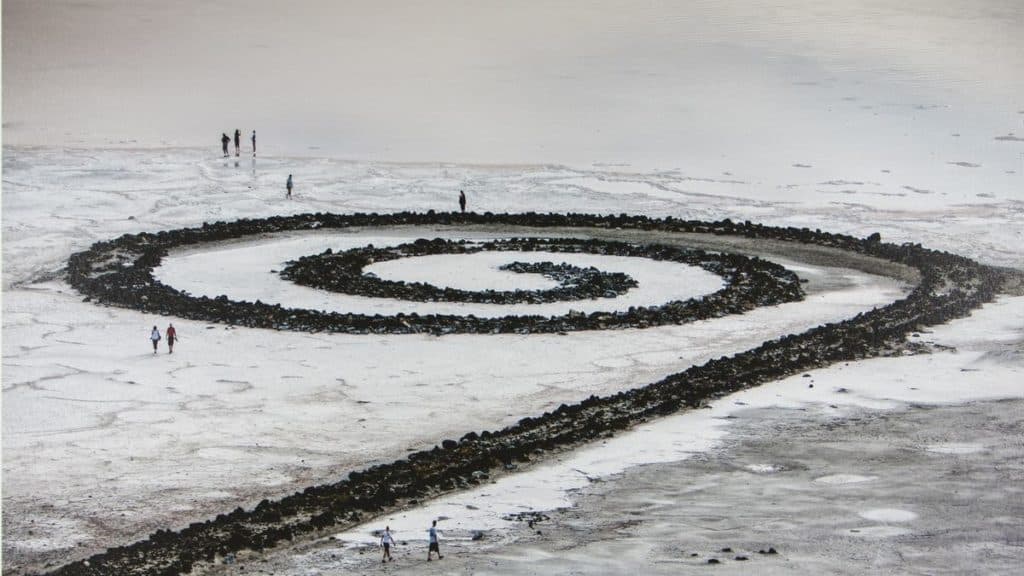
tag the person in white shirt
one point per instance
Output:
(155, 337)
(432, 532)
(386, 542)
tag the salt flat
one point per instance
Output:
(105, 442)
(853, 118)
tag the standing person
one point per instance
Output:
(462, 201)
(238, 138)
(224, 143)
(155, 337)
(288, 185)
(386, 542)
(253, 143)
(172, 335)
(433, 542)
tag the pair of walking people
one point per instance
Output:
(172, 337)
(387, 541)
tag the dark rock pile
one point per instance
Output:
(343, 272)
(120, 272)
(950, 287)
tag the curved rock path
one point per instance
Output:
(949, 287)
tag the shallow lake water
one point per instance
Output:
(911, 96)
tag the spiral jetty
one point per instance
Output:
(949, 287)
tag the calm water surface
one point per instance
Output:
(750, 87)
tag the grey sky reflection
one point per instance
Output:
(659, 84)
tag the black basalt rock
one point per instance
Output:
(93, 273)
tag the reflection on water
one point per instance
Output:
(709, 85)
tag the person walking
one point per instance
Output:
(253, 143)
(224, 143)
(288, 185)
(386, 542)
(462, 201)
(155, 337)
(238, 139)
(432, 537)
(172, 337)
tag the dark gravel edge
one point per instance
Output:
(119, 272)
(342, 272)
(950, 287)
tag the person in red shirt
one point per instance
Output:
(172, 335)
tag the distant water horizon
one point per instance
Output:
(709, 87)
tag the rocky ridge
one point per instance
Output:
(343, 272)
(120, 272)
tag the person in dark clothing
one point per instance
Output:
(172, 337)
(253, 143)
(288, 185)
(462, 201)
(224, 143)
(238, 139)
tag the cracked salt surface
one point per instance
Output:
(317, 406)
